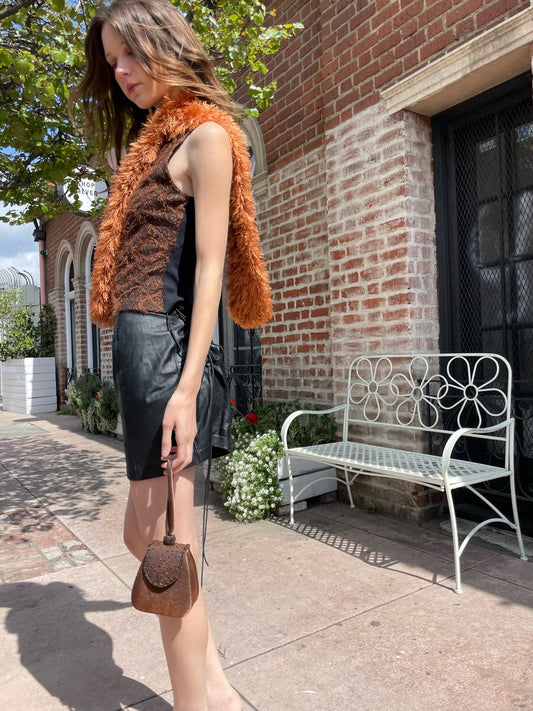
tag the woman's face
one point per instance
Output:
(134, 81)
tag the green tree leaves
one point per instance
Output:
(21, 335)
(41, 57)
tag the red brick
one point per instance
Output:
(460, 12)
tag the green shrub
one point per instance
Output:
(95, 403)
(19, 337)
(106, 408)
(249, 475)
(23, 336)
(81, 392)
(250, 480)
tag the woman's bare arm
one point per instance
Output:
(204, 164)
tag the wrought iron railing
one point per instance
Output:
(246, 387)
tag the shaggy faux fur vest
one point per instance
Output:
(248, 294)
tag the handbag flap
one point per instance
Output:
(162, 564)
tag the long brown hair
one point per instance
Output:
(161, 39)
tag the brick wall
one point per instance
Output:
(293, 126)
(381, 235)
(350, 50)
(350, 241)
(360, 231)
(348, 232)
(295, 344)
(348, 223)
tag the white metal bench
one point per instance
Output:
(427, 402)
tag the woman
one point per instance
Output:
(149, 88)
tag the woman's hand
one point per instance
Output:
(180, 418)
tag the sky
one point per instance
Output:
(17, 249)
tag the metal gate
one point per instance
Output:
(484, 199)
(245, 370)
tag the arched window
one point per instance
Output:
(70, 317)
(93, 332)
(256, 148)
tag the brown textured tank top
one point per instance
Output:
(156, 258)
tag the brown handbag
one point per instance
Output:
(167, 581)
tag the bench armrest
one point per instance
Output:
(468, 431)
(285, 426)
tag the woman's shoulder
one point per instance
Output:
(209, 136)
(210, 131)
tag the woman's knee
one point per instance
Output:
(134, 542)
(146, 509)
(132, 536)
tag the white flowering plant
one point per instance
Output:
(249, 476)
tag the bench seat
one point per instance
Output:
(416, 467)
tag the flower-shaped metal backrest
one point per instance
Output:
(419, 393)
(475, 390)
(370, 387)
(429, 391)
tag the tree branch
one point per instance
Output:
(9, 11)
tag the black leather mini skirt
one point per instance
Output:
(148, 353)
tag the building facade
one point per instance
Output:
(394, 191)
(397, 211)
(68, 258)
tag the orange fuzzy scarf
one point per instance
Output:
(248, 294)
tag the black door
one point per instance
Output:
(484, 196)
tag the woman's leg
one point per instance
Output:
(220, 693)
(198, 680)
(184, 639)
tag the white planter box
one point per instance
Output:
(29, 385)
(307, 478)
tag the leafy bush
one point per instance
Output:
(106, 408)
(249, 475)
(95, 403)
(250, 481)
(19, 337)
(23, 336)
(81, 392)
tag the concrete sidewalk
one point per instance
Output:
(347, 611)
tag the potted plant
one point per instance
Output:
(27, 356)
(253, 479)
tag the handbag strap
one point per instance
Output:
(209, 362)
(170, 538)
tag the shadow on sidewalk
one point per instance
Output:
(76, 481)
(70, 656)
(372, 549)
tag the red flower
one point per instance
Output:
(232, 401)
(252, 418)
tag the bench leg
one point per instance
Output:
(348, 488)
(523, 555)
(291, 493)
(455, 541)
